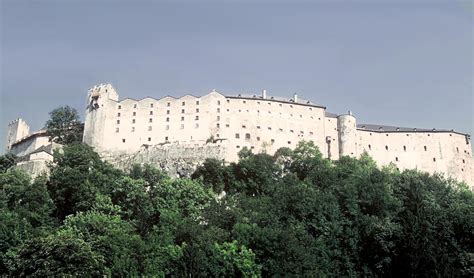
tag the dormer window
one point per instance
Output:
(183, 103)
(120, 107)
(197, 102)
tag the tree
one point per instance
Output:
(7, 161)
(64, 126)
(58, 254)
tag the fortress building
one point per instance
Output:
(190, 128)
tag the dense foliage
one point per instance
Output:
(64, 126)
(293, 213)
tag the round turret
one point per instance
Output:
(346, 126)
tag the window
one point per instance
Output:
(280, 129)
(218, 125)
(118, 114)
(168, 104)
(150, 128)
(386, 134)
(269, 128)
(196, 117)
(244, 102)
(258, 138)
(457, 149)
(182, 126)
(311, 133)
(291, 130)
(396, 158)
(150, 120)
(228, 101)
(258, 127)
(196, 125)
(237, 136)
(167, 127)
(247, 136)
(117, 130)
(118, 121)
(425, 148)
(218, 118)
(273, 141)
(197, 102)
(183, 103)
(182, 111)
(289, 142)
(151, 112)
(434, 159)
(133, 121)
(123, 140)
(134, 113)
(182, 118)
(243, 126)
(151, 105)
(167, 112)
(167, 119)
(218, 110)
(386, 147)
(370, 147)
(134, 106)
(166, 138)
(133, 129)
(120, 107)
(197, 110)
(227, 125)
(219, 102)
(149, 139)
(238, 147)
(463, 161)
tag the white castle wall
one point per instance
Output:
(442, 152)
(263, 124)
(17, 129)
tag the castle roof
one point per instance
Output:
(387, 128)
(277, 99)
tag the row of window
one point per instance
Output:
(168, 104)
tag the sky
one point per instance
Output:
(401, 63)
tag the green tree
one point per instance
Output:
(58, 254)
(7, 161)
(64, 126)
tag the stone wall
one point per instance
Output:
(176, 159)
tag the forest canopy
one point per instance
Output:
(294, 213)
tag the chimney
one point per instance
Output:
(264, 94)
(295, 97)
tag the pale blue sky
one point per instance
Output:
(403, 63)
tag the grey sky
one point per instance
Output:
(396, 63)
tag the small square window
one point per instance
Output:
(133, 129)
(227, 125)
(182, 111)
(133, 121)
(218, 125)
(167, 119)
(118, 121)
(167, 112)
(150, 120)
(237, 136)
(289, 142)
(182, 126)
(151, 112)
(117, 130)
(258, 138)
(273, 141)
(218, 110)
(118, 114)
(150, 128)
(247, 136)
(134, 106)
(166, 138)
(197, 102)
(168, 104)
(258, 127)
(120, 107)
(196, 117)
(243, 126)
(183, 103)
(197, 110)
(434, 159)
(219, 102)
(151, 105)
(196, 125)
(396, 158)
(218, 118)
(134, 113)
(149, 139)
(386, 148)
(167, 127)
(123, 140)
(182, 118)
(269, 128)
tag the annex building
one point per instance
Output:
(186, 130)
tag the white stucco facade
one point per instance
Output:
(265, 124)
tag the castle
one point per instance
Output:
(192, 128)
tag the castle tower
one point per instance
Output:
(16, 130)
(346, 126)
(101, 101)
